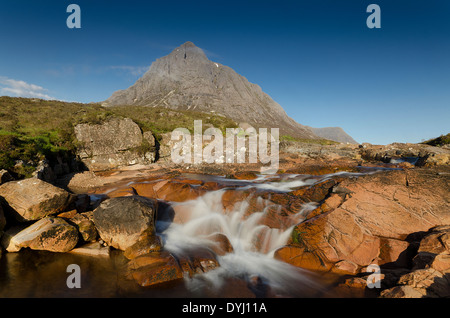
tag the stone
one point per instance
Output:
(372, 222)
(5, 176)
(304, 258)
(145, 245)
(197, 261)
(123, 221)
(32, 199)
(44, 172)
(92, 249)
(395, 252)
(85, 227)
(420, 154)
(49, 234)
(220, 244)
(68, 214)
(441, 263)
(153, 269)
(429, 282)
(114, 143)
(432, 243)
(345, 268)
(401, 292)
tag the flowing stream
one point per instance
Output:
(250, 262)
(253, 242)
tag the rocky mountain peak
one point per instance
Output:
(187, 80)
(188, 51)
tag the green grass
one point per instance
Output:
(439, 141)
(31, 129)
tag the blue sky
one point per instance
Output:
(317, 59)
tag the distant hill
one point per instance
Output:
(334, 133)
(187, 80)
(440, 141)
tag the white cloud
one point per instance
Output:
(17, 88)
(133, 70)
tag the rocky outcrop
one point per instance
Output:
(122, 222)
(50, 234)
(32, 199)
(403, 154)
(114, 143)
(372, 221)
(430, 275)
(416, 154)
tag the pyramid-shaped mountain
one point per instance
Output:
(187, 80)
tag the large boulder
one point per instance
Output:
(49, 234)
(114, 143)
(32, 199)
(122, 222)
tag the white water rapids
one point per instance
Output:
(253, 242)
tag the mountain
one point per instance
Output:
(187, 80)
(334, 133)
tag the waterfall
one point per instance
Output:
(253, 243)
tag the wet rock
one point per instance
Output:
(145, 245)
(345, 268)
(197, 261)
(372, 224)
(154, 268)
(49, 234)
(33, 199)
(220, 244)
(121, 222)
(303, 257)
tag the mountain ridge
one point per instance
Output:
(186, 79)
(334, 133)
